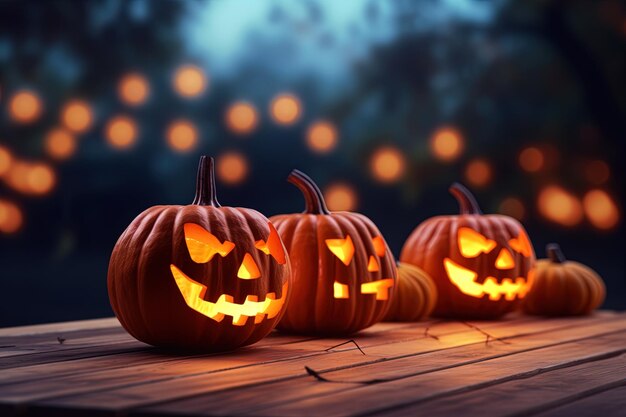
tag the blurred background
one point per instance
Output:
(106, 105)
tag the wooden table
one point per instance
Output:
(517, 366)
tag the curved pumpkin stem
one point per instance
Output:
(205, 183)
(555, 253)
(467, 202)
(315, 203)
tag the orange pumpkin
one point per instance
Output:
(201, 276)
(563, 288)
(343, 271)
(415, 295)
(481, 264)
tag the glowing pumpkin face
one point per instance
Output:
(200, 276)
(203, 248)
(482, 264)
(343, 271)
(343, 249)
(504, 283)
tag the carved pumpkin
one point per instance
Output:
(343, 271)
(562, 287)
(481, 264)
(415, 295)
(199, 277)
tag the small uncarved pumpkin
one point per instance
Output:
(563, 288)
(415, 296)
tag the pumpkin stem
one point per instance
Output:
(555, 253)
(467, 202)
(205, 183)
(313, 196)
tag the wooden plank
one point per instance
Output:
(611, 402)
(64, 327)
(157, 388)
(407, 390)
(530, 393)
(254, 397)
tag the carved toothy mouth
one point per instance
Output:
(465, 280)
(380, 288)
(193, 292)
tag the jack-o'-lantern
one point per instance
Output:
(482, 264)
(563, 288)
(201, 276)
(343, 271)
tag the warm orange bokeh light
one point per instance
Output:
(59, 144)
(121, 132)
(560, 206)
(446, 144)
(600, 209)
(40, 179)
(340, 197)
(133, 89)
(532, 159)
(77, 116)
(182, 136)
(6, 159)
(321, 137)
(387, 164)
(514, 207)
(597, 172)
(10, 217)
(478, 172)
(25, 106)
(285, 109)
(190, 81)
(241, 117)
(231, 168)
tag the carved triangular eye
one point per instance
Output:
(379, 246)
(342, 249)
(472, 243)
(202, 245)
(521, 244)
(273, 246)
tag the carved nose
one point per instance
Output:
(372, 265)
(248, 268)
(505, 259)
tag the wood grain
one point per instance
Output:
(518, 366)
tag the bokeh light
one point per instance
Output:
(600, 209)
(531, 159)
(285, 109)
(514, 207)
(190, 81)
(241, 117)
(340, 197)
(77, 116)
(11, 217)
(387, 164)
(60, 144)
(597, 172)
(321, 136)
(231, 167)
(41, 179)
(182, 136)
(121, 132)
(6, 159)
(446, 144)
(133, 89)
(559, 206)
(478, 172)
(25, 106)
